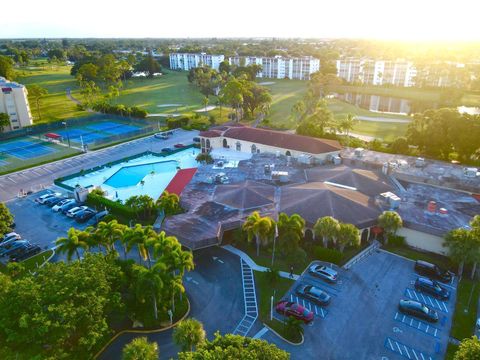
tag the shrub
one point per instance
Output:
(113, 206)
(328, 255)
(175, 123)
(396, 240)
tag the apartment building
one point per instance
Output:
(187, 61)
(377, 72)
(279, 67)
(14, 102)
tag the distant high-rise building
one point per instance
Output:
(187, 61)
(377, 72)
(14, 102)
(279, 67)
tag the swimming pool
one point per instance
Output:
(145, 175)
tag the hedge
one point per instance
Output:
(396, 240)
(328, 255)
(113, 206)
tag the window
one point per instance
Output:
(203, 142)
(254, 149)
(225, 144)
(238, 146)
(208, 143)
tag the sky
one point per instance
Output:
(377, 19)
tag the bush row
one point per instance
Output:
(122, 110)
(328, 255)
(113, 207)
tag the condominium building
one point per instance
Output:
(187, 61)
(279, 67)
(377, 72)
(14, 102)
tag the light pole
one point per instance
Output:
(274, 242)
(68, 136)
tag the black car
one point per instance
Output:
(431, 287)
(53, 201)
(417, 309)
(84, 215)
(432, 271)
(24, 253)
(313, 294)
(167, 150)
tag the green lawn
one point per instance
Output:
(265, 290)
(55, 106)
(409, 253)
(465, 315)
(34, 262)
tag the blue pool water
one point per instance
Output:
(132, 175)
(145, 175)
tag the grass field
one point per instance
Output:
(55, 106)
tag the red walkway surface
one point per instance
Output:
(180, 180)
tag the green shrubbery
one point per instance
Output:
(396, 240)
(113, 206)
(328, 255)
(133, 111)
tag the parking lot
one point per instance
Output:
(38, 223)
(362, 320)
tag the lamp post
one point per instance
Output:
(274, 242)
(68, 135)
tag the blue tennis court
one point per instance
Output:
(79, 135)
(124, 129)
(24, 149)
(104, 125)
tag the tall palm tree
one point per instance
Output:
(135, 237)
(347, 124)
(262, 228)
(460, 247)
(326, 227)
(348, 234)
(189, 334)
(205, 102)
(169, 202)
(75, 239)
(110, 232)
(149, 283)
(290, 231)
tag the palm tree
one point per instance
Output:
(189, 334)
(326, 227)
(111, 232)
(205, 103)
(169, 203)
(347, 124)
(37, 92)
(75, 240)
(260, 227)
(290, 231)
(149, 283)
(348, 234)
(459, 243)
(136, 237)
(390, 221)
(140, 349)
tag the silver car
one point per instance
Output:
(324, 272)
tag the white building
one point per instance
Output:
(187, 61)
(255, 140)
(377, 72)
(14, 102)
(279, 67)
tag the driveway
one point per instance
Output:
(362, 321)
(42, 176)
(215, 292)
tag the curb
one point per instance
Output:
(131, 331)
(282, 338)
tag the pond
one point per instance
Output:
(395, 105)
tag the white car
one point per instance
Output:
(161, 136)
(44, 198)
(10, 236)
(72, 212)
(58, 206)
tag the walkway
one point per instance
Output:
(248, 260)
(250, 299)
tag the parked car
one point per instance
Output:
(58, 206)
(288, 308)
(324, 272)
(100, 215)
(431, 287)
(417, 309)
(178, 146)
(167, 150)
(6, 243)
(20, 249)
(161, 136)
(11, 247)
(433, 271)
(84, 216)
(43, 198)
(28, 252)
(67, 207)
(313, 294)
(10, 236)
(53, 201)
(72, 212)
(196, 139)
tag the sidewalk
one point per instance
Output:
(253, 265)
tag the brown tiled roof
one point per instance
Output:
(210, 133)
(283, 140)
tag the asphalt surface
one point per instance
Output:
(215, 292)
(362, 322)
(37, 178)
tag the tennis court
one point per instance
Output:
(93, 132)
(25, 149)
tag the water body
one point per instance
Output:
(395, 105)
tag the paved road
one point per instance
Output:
(216, 297)
(42, 176)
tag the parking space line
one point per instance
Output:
(418, 325)
(405, 350)
(318, 310)
(430, 301)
